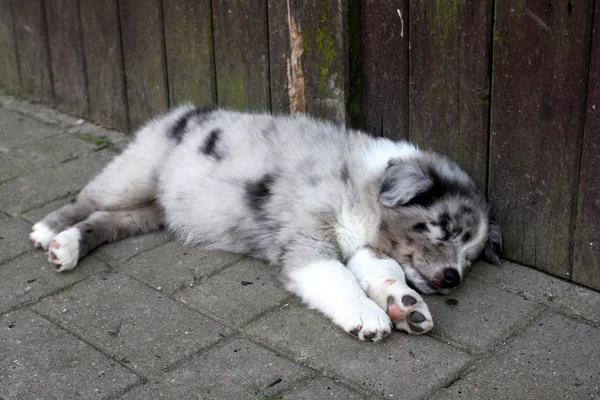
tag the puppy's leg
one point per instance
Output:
(384, 282)
(127, 182)
(45, 230)
(328, 286)
(72, 244)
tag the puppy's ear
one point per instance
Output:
(493, 247)
(403, 180)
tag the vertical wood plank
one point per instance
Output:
(321, 28)
(189, 49)
(241, 54)
(280, 19)
(384, 67)
(66, 55)
(538, 97)
(586, 265)
(144, 59)
(104, 63)
(32, 48)
(326, 58)
(10, 79)
(449, 80)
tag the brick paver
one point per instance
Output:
(150, 318)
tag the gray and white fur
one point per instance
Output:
(353, 222)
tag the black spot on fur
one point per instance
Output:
(421, 227)
(466, 237)
(344, 174)
(393, 243)
(208, 148)
(259, 192)
(177, 131)
(442, 186)
(89, 230)
(444, 220)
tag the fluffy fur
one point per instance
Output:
(351, 220)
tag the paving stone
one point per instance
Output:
(37, 214)
(554, 358)
(532, 284)
(136, 324)
(477, 315)
(239, 293)
(14, 238)
(130, 247)
(9, 167)
(323, 388)
(17, 129)
(174, 266)
(401, 366)
(238, 370)
(41, 187)
(30, 277)
(51, 151)
(38, 360)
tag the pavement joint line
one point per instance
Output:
(45, 203)
(577, 318)
(185, 360)
(474, 351)
(317, 372)
(122, 392)
(82, 339)
(17, 256)
(210, 317)
(183, 287)
(28, 304)
(122, 263)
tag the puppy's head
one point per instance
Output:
(435, 222)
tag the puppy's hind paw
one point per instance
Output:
(41, 235)
(63, 251)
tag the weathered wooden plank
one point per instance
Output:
(286, 70)
(32, 48)
(66, 55)
(144, 59)
(189, 49)
(449, 80)
(104, 63)
(326, 58)
(586, 260)
(10, 79)
(309, 57)
(241, 54)
(538, 97)
(384, 67)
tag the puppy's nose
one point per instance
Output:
(451, 278)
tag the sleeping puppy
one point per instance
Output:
(356, 224)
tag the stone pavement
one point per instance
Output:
(148, 318)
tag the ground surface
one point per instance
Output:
(148, 318)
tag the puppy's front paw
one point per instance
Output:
(41, 235)
(365, 321)
(406, 308)
(63, 251)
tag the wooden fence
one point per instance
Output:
(509, 89)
